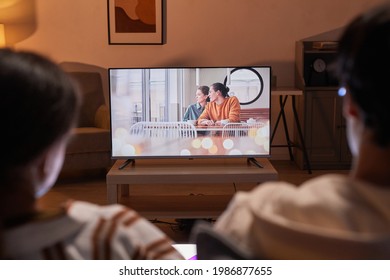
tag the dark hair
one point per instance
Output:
(39, 105)
(222, 88)
(204, 89)
(362, 66)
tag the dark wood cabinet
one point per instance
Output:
(320, 107)
(324, 130)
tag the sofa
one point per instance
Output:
(89, 147)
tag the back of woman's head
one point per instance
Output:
(204, 89)
(222, 88)
(38, 106)
(362, 66)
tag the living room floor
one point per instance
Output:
(92, 188)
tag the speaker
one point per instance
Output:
(316, 70)
(313, 60)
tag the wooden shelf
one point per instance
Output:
(286, 91)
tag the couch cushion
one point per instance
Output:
(89, 140)
(91, 96)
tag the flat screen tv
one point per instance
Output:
(147, 106)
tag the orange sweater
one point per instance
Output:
(229, 109)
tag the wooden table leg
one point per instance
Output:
(112, 193)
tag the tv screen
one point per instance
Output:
(148, 112)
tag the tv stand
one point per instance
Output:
(184, 188)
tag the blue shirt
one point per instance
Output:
(193, 112)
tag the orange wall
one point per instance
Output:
(198, 33)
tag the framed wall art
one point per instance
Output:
(135, 22)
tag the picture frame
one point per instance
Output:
(135, 22)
